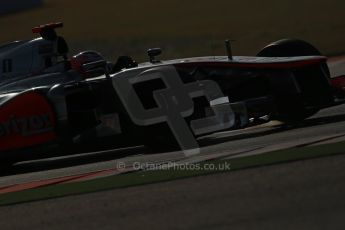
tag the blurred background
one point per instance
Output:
(180, 27)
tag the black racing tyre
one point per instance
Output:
(293, 48)
(296, 115)
(289, 48)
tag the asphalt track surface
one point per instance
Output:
(300, 195)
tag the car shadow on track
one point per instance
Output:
(311, 122)
(71, 160)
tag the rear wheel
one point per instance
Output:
(293, 48)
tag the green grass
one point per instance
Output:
(184, 28)
(149, 177)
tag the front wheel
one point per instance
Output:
(296, 115)
(293, 110)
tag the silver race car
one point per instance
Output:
(51, 102)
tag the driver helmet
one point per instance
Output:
(82, 58)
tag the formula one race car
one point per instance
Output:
(50, 102)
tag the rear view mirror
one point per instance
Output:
(152, 53)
